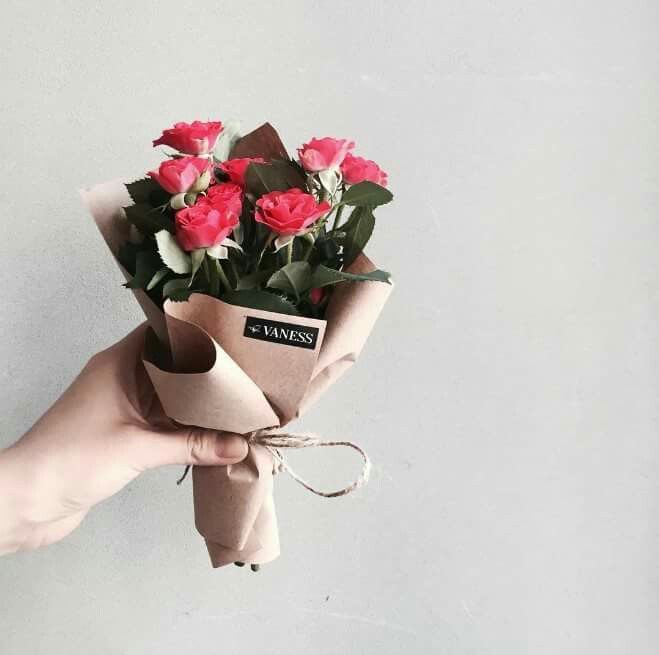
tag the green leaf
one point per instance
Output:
(127, 256)
(366, 194)
(292, 172)
(146, 264)
(247, 227)
(358, 232)
(147, 219)
(293, 278)
(323, 276)
(327, 247)
(172, 255)
(180, 295)
(157, 278)
(256, 299)
(261, 142)
(353, 219)
(276, 176)
(141, 190)
(173, 288)
(253, 280)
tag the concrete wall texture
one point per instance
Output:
(508, 396)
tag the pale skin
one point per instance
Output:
(105, 430)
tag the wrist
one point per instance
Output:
(15, 502)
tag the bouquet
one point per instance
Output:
(250, 268)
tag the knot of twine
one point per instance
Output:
(274, 440)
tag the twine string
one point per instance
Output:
(274, 441)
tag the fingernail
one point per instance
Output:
(231, 446)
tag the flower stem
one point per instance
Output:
(337, 218)
(222, 275)
(289, 251)
(268, 241)
(213, 280)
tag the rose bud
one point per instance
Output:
(236, 168)
(205, 224)
(194, 138)
(357, 169)
(321, 154)
(180, 175)
(316, 295)
(289, 212)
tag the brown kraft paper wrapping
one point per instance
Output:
(207, 373)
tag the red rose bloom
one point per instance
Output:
(208, 222)
(289, 212)
(194, 138)
(224, 194)
(321, 154)
(236, 168)
(178, 175)
(357, 169)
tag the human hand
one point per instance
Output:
(106, 429)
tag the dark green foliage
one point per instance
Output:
(276, 176)
(259, 299)
(256, 275)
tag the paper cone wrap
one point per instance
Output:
(208, 372)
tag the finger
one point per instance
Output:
(190, 446)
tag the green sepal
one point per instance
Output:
(197, 257)
(157, 278)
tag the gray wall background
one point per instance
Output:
(509, 393)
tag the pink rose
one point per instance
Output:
(321, 154)
(236, 168)
(194, 138)
(357, 169)
(225, 194)
(179, 175)
(204, 224)
(289, 212)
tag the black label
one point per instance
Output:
(300, 336)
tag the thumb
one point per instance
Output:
(190, 445)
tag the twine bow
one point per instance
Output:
(274, 440)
